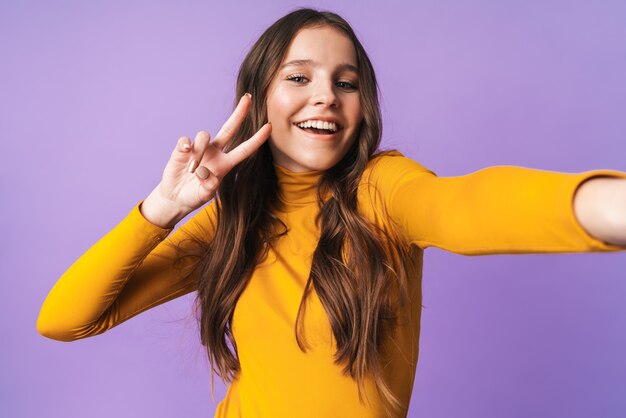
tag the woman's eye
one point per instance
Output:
(346, 85)
(298, 78)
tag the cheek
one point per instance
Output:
(281, 106)
(358, 111)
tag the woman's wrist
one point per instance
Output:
(160, 211)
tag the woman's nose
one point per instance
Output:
(324, 94)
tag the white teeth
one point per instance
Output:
(318, 124)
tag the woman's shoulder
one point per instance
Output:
(384, 174)
(390, 167)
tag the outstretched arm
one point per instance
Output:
(600, 207)
(501, 209)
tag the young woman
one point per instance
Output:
(307, 258)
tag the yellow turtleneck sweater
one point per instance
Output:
(502, 209)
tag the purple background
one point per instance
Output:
(94, 95)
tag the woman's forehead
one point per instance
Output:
(321, 45)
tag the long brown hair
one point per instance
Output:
(357, 271)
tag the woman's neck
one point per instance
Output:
(296, 188)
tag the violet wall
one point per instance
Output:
(93, 96)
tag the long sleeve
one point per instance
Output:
(495, 210)
(131, 269)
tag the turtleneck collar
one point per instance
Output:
(297, 189)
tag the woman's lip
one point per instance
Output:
(327, 137)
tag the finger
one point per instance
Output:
(181, 151)
(234, 121)
(249, 147)
(200, 143)
(184, 143)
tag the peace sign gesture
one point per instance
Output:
(194, 171)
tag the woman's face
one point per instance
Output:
(313, 101)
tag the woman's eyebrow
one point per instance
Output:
(311, 63)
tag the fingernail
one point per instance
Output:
(192, 165)
(202, 172)
(186, 147)
(249, 95)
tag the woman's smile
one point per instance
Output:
(320, 128)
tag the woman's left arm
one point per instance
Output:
(600, 207)
(503, 209)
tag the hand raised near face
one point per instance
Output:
(195, 170)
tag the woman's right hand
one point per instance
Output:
(194, 171)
